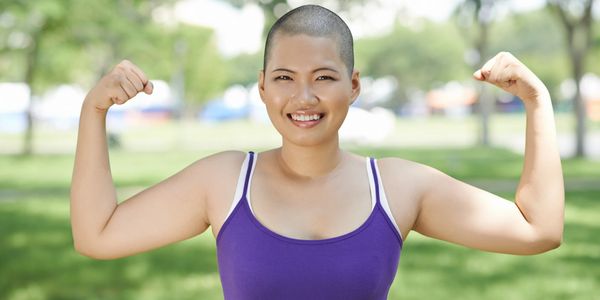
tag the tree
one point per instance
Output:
(273, 9)
(419, 58)
(531, 36)
(476, 17)
(49, 42)
(576, 19)
(33, 23)
(53, 32)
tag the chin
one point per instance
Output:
(306, 137)
(310, 140)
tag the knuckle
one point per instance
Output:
(117, 78)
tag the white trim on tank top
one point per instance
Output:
(371, 183)
(384, 202)
(239, 191)
(250, 183)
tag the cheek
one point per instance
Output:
(277, 92)
(274, 103)
(337, 95)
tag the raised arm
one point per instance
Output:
(172, 210)
(457, 212)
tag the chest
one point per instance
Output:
(259, 265)
(325, 209)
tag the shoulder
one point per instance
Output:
(405, 182)
(208, 173)
(217, 175)
(417, 179)
(395, 167)
(218, 167)
(218, 162)
(408, 179)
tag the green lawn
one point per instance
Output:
(37, 260)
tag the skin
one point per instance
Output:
(295, 189)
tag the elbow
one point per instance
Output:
(554, 242)
(552, 239)
(84, 249)
(91, 251)
(550, 244)
(546, 244)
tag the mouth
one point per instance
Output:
(306, 120)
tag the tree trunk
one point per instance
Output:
(578, 39)
(486, 108)
(31, 61)
(579, 106)
(486, 104)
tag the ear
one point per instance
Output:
(261, 85)
(355, 81)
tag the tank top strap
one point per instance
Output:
(378, 193)
(373, 181)
(250, 169)
(243, 183)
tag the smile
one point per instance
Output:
(305, 120)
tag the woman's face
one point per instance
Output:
(307, 89)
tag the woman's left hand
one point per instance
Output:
(508, 73)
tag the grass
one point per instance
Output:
(37, 260)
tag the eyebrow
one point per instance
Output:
(314, 71)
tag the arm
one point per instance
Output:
(457, 212)
(170, 211)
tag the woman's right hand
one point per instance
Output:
(122, 83)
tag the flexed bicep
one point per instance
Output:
(170, 211)
(460, 213)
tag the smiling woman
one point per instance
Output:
(308, 220)
(306, 84)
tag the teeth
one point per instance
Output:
(302, 118)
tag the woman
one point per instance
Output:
(308, 220)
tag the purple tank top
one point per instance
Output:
(257, 263)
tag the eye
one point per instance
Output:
(282, 77)
(325, 77)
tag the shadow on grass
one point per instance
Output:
(38, 257)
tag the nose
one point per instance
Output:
(305, 95)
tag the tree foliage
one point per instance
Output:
(421, 57)
(576, 18)
(78, 41)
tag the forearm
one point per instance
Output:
(540, 194)
(93, 197)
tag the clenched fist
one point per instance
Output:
(508, 73)
(122, 83)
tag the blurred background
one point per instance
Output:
(418, 102)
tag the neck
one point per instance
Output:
(309, 162)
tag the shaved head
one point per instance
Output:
(316, 21)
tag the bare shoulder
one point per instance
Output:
(410, 177)
(221, 170)
(405, 182)
(405, 170)
(221, 161)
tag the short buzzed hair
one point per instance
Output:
(317, 21)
